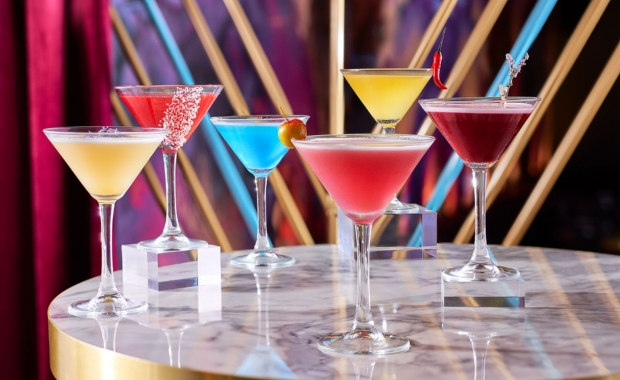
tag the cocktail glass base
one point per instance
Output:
(172, 243)
(363, 342)
(106, 306)
(265, 259)
(168, 270)
(397, 207)
(496, 292)
(480, 272)
(400, 236)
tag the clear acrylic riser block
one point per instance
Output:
(495, 294)
(406, 236)
(168, 270)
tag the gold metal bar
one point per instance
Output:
(565, 62)
(128, 47)
(378, 227)
(206, 208)
(322, 195)
(222, 70)
(258, 56)
(130, 51)
(336, 100)
(430, 35)
(284, 197)
(331, 212)
(274, 90)
(470, 51)
(148, 170)
(119, 111)
(464, 62)
(566, 148)
(336, 62)
(290, 209)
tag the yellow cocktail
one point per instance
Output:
(387, 93)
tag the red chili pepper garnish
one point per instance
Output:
(437, 64)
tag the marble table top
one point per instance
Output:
(569, 328)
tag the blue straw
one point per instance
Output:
(214, 140)
(451, 171)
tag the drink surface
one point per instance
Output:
(360, 174)
(106, 166)
(480, 133)
(387, 96)
(184, 115)
(257, 146)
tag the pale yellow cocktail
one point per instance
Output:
(106, 166)
(388, 94)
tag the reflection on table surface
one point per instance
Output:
(267, 324)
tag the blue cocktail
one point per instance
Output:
(254, 139)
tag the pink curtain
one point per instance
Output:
(55, 58)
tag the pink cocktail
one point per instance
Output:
(362, 173)
(169, 110)
(179, 109)
(479, 130)
(358, 176)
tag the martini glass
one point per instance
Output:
(179, 109)
(254, 139)
(106, 161)
(361, 173)
(388, 94)
(480, 130)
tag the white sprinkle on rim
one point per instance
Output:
(180, 115)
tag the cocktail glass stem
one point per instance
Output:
(171, 228)
(481, 253)
(107, 287)
(262, 255)
(363, 338)
(172, 237)
(480, 266)
(262, 241)
(108, 301)
(363, 317)
(388, 130)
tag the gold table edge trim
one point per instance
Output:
(71, 359)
